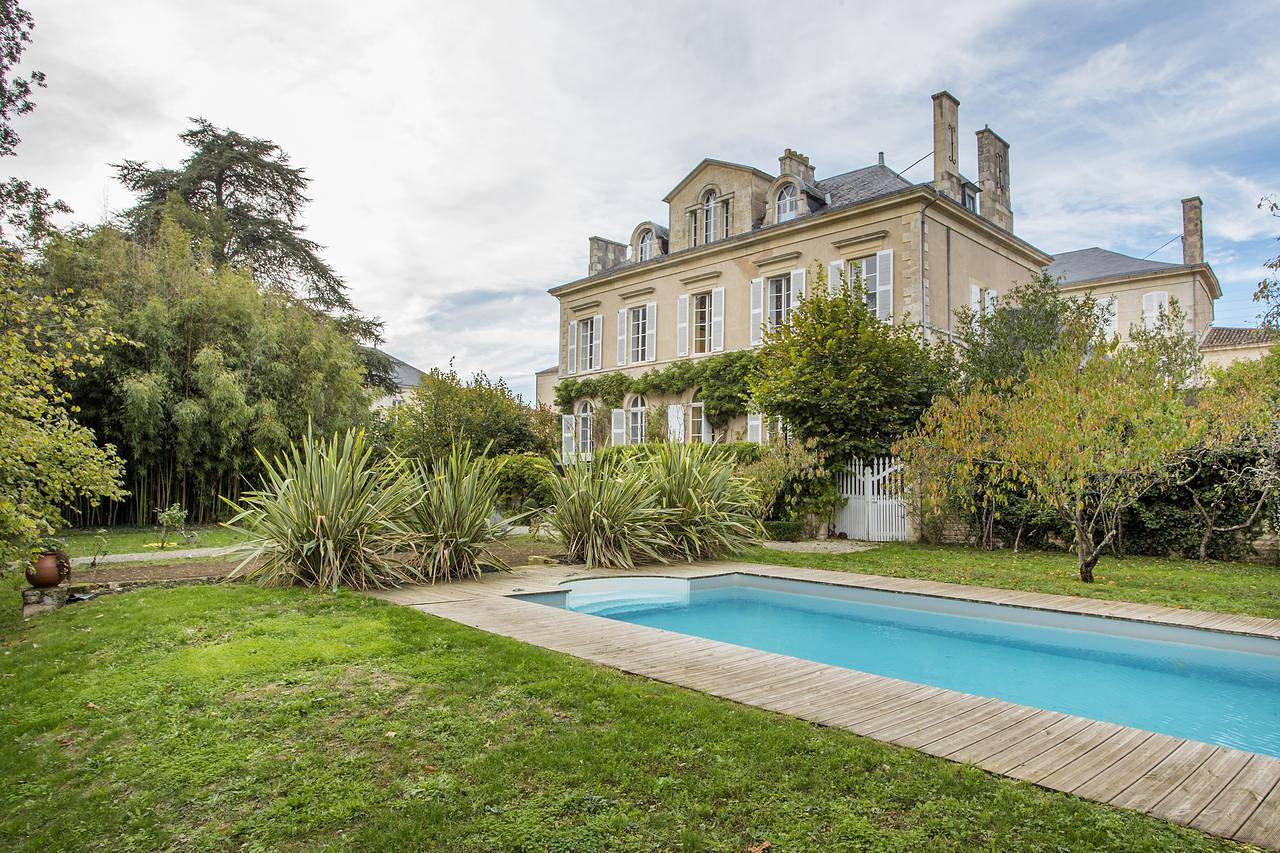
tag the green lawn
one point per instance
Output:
(1226, 587)
(135, 540)
(231, 716)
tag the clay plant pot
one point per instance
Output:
(44, 571)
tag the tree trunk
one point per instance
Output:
(1086, 568)
(1017, 539)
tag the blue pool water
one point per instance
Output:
(1204, 685)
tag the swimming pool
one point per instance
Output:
(1209, 686)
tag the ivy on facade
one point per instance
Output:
(721, 381)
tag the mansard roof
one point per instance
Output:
(862, 184)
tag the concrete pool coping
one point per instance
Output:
(1221, 791)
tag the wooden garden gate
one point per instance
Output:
(874, 508)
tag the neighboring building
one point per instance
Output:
(740, 247)
(544, 386)
(406, 378)
(1137, 290)
(1222, 345)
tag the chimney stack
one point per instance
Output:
(605, 255)
(1192, 231)
(794, 163)
(946, 150)
(993, 178)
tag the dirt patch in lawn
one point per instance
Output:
(154, 571)
(516, 552)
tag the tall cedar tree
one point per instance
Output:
(241, 197)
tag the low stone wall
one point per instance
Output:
(37, 601)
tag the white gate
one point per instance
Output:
(874, 509)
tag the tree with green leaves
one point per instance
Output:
(445, 409)
(47, 458)
(1268, 292)
(242, 198)
(213, 366)
(1092, 428)
(839, 377)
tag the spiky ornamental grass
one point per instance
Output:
(448, 532)
(326, 516)
(679, 502)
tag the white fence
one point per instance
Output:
(874, 509)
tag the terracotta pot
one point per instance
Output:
(43, 572)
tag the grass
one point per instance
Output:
(233, 716)
(134, 540)
(1226, 587)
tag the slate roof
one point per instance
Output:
(1095, 263)
(1228, 336)
(862, 184)
(406, 375)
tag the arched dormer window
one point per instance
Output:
(584, 429)
(711, 225)
(644, 248)
(788, 202)
(637, 414)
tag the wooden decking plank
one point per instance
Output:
(1075, 773)
(1013, 750)
(941, 731)
(1236, 803)
(1075, 745)
(1150, 787)
(1033, 725)
(940, 711)
(862, 719)
(1183, 803)
(1105, 785)
(1263, 826)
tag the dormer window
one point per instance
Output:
(969, 198)
(788, 203)
(715, 217)
(645, 247)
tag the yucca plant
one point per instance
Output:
(450, 530)
(324, 516)
(711, 512)
(607, 515)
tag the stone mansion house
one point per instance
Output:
(740, 246)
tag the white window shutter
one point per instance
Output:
(884, 284)
(835, 278)
(567, 433)
(975, 299)
(754, 432)
(675, 423)
(757, 310)
(622, 337)
(651, 331)
(619, 426)
(597, 342)
(717, 319)
(573, 347)
(797, 286)
(682, 324)
(706, 427)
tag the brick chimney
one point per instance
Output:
(993, 178)
(946, 149)
(794, 163)
(1192, 231)
(605, 255)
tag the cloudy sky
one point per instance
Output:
(462, 152)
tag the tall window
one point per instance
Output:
(636, 417)
(587, 335)
(584, 429)
(868, 268)
(788, 203)
(779, 306)
(646, 246)
(695, 420)
(710, 217)
(639, 321)
(702, 322)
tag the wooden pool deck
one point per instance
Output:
(1221, 791)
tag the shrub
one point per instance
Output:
(524, 482)
(713, 512)
(784, 531)
(324, 516)
(449, 531)
(607, 515)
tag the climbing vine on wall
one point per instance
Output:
(722, 380)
